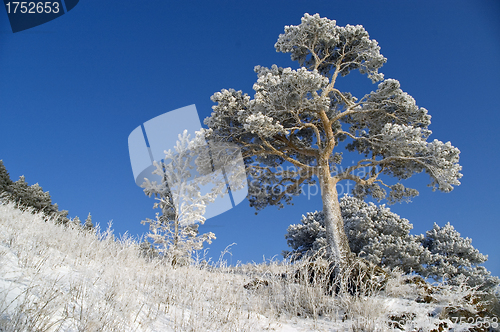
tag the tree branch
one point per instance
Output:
(304, 151)
(288, 190)
(284, 156)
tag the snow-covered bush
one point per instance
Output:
(383, 238)
(374, 232)
(453, 256)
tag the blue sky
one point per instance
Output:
(73, 89)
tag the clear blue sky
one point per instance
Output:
(73, 89)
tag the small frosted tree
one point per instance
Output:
(175, 232)
(299, 117)
(76, 222)
(88, 225)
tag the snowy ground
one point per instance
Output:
(55, 278)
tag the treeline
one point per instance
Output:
(29, 197)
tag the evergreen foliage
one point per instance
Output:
(5, 180)
(299, 116)
(76, 222)
(88, 225)
(32, 196)
(383, 238)
(453, 255)
(29, 196)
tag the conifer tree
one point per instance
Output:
(88, 225)
(453, 255)
(19, 192)
(374, 232)
(76, 222)
(34, 197)
(298, 117)
(39, 199)
(5, 180)
(383, 238)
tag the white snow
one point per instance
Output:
(56, 278)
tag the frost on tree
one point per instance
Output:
(374, 232)
(298, 118)
(5, 180)
(383, 238)
(453, 255)
(88, 225)
(35, 198)
(183, 197)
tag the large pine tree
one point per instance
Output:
(299, 116)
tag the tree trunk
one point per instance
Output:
(337, 242)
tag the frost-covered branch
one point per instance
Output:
(320, 38)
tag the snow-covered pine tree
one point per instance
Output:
(39, 199)
(5, 180)
(88, 225)
(383, 238)
(175, 232)
(374, 232)
(18, 191)
(453, 255)
(76, 222)
(299, 116)
(34, 197)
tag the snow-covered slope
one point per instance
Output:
(60, 278)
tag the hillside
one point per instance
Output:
(61, 278)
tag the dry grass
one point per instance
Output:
(59, 278)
